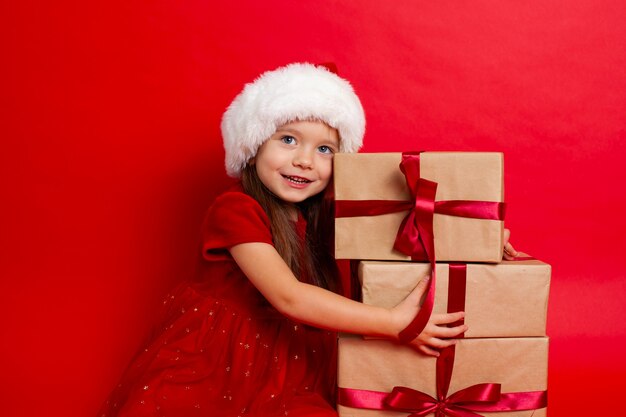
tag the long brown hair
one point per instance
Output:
(313, 257)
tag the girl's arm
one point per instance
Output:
(316, 306)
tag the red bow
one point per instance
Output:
(415, 236)
(484, 397)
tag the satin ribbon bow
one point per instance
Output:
(415, 237)
(485, 397)
(419, 404)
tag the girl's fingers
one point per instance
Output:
(428, 351)
(508, 248)
(447, 318)
(509, 252)
(449, 332)
(436, 343)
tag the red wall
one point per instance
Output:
(111, 151)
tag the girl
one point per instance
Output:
(255, 333)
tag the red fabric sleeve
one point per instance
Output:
(234, 218)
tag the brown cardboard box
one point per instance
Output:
(508, 299)
(476, 176)
(519, 364)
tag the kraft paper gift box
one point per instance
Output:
(471, 176)
(520, 365)
(508, 299)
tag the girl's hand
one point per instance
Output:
(509, 251)
(436, 335)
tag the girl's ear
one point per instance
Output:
(252, 161)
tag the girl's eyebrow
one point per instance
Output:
(287, 129)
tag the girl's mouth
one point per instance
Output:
(296, 180)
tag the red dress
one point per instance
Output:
(223, 350)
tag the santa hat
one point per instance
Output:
(298, 91)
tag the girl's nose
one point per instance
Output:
(303, 159)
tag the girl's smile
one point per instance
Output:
(296, 162)
(297, 182)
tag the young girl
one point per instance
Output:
(255, 333)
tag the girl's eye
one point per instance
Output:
(325, 149)
(289, 140)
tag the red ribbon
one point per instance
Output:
(416, 227)
(460, 208)
(484, 397)
(415, 236)
(457, 288)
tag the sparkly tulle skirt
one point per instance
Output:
(220, 356)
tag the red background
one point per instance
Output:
(111, 151)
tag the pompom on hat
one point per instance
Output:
(298, 91)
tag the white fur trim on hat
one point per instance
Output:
(298, 91)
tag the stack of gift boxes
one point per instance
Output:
(499, 366)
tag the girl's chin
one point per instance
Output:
(297, 196)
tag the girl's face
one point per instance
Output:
(296, 162)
